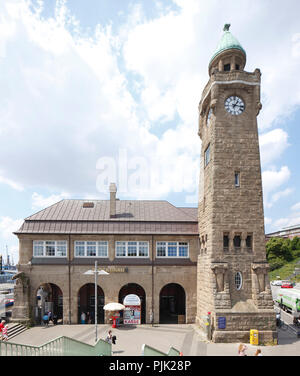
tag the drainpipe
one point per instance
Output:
(152, 266)
(69, 260)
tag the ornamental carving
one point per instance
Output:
(219, 270)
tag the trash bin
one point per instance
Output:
(253, 337)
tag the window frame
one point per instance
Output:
(207, 160)
(177, 249)
(137, 248)
(239, 287)
(85, 245)
(44, 244)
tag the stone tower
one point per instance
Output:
(232, 279)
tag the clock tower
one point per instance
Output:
(232, 274)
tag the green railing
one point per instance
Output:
(61, 346)
(151, 351)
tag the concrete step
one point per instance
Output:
(15, 329)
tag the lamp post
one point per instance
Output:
(96, 273)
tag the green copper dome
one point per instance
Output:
(227, 42)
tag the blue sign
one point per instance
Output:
(221, 322)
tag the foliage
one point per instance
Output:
(282, 256)
(281, 251)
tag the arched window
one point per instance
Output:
(238, 280)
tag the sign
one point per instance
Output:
(115, 269)
(132, 311)
(221, 322)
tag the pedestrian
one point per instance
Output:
(1, 328)
(258, 352)
(88, 318)
(55, 319)
(109, 337)
(46, 319)
(4, 332)
(242, 350)
(50, 316)
(82, 318)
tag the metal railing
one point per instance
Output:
(61, 346)
(151, 351)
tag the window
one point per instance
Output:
(49, 248)
(237, 179)
(226, 242)
(238, 280)
(102, 249)
(249, 242)
(91, 249)
(132, 249)
(38, 248)
(237, 241)
(226, 67)
(172, 249)
(143, 249)
(183, 249)
(161, 249)
(120, 249)
(79, 249)
(237, 67)
(207, 156)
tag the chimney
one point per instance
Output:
(112, 200)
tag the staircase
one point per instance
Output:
(15, 329)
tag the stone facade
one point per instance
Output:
(231, 218)
(151, 274)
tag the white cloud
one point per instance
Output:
(67, 98)
(272, 179)
(41, 202)
(278, 195)
(296, 207)
(12, 184)
(272, 145)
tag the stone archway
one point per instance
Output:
(172, 304)
(49, 297)
(134, 288)
(86, 303)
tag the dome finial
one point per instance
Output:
(226, 27)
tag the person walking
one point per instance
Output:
(1, 328)
(109, 337)
(4, 332)
(82, 318)
(50, 317)
(242, 350)
(46, 319)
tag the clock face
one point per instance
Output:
(234, 105)
(209, 116)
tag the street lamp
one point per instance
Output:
(96, 273)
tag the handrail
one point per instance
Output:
(60, 346)
(151, 351)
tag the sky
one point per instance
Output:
(101, 91)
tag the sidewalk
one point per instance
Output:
(130, 340)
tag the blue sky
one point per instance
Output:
(107, 90)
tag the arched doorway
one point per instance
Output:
(171, 304)
(134, 288)
(86, 303)
(49, 297)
